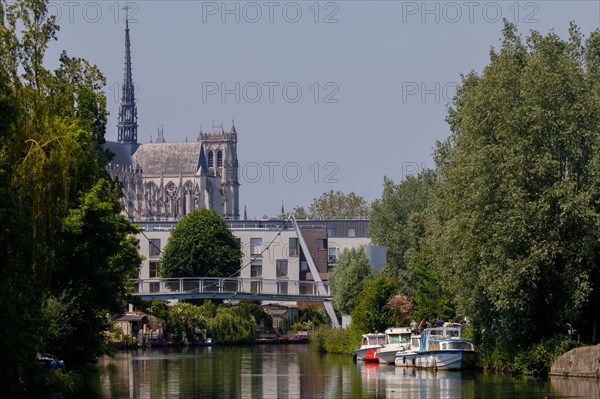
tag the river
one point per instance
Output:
(297, 371)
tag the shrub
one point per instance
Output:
(331, 340)
(538, 358)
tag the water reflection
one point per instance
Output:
(402, 382)
(578, 387)
(294, 371)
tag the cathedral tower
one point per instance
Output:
(220, 149)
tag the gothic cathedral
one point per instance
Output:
(164, 180)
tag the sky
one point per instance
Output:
(325, 95)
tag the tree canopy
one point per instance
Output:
(334, 205)
(346, 281)
(201, 245)
(516, 236)
(68, 252)
(398, 221)
(370, 312)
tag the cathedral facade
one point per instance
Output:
(167, 180)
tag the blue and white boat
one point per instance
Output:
(442, 348)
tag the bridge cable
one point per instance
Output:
(154, 245)
(259, 256)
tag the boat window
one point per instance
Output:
(453, 333)
(381, 340)
(393, 339)
(460, 345)
(365, 341)
(405, 338)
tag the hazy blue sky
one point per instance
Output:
(375, 78)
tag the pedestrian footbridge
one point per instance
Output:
(231, 288)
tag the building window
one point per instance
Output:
(154, 246)
(255, 246)
(293, 247)
(321, 244)
(351, 233)
(256, 268)
(331, 232)
(153, 270)
(304, 265)
(332, 255)
(219, 159)
(210, 159)
(282, 268)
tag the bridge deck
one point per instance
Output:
(231, 288)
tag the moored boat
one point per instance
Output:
(408, 357)
(367, 352)
(442, 348)
(396, 339)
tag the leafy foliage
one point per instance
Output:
(233, 324)
(188, 323)
(326, 339)
(335, 205)
(516, 238)
(347, 280)
(191, 324)
(400, 309)
(538, 358)
(201, 245)
(399, 222)
(429, 296)
(310, 314)
(68, 252)
(369, 313)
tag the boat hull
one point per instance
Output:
(371, 356)
(387, 354)
(366, 354)
(447, 359)
(406, 359)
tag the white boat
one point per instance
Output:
(408, 357)
(368, 349)
(442, 348)
(396, 339)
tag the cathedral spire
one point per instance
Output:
(127, 126)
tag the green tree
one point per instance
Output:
(68, 252)
(370, 313)
(93, 272)
(311, 314)
(351, 271)
(428, 294)
(516, 238)
(338, 205)
(233, 325)
(399, 222)
(300, 213)
(188, 323)
(200, 245)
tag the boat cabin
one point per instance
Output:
(397, 336)
(373, 340)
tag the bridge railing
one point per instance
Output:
(191, 285)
